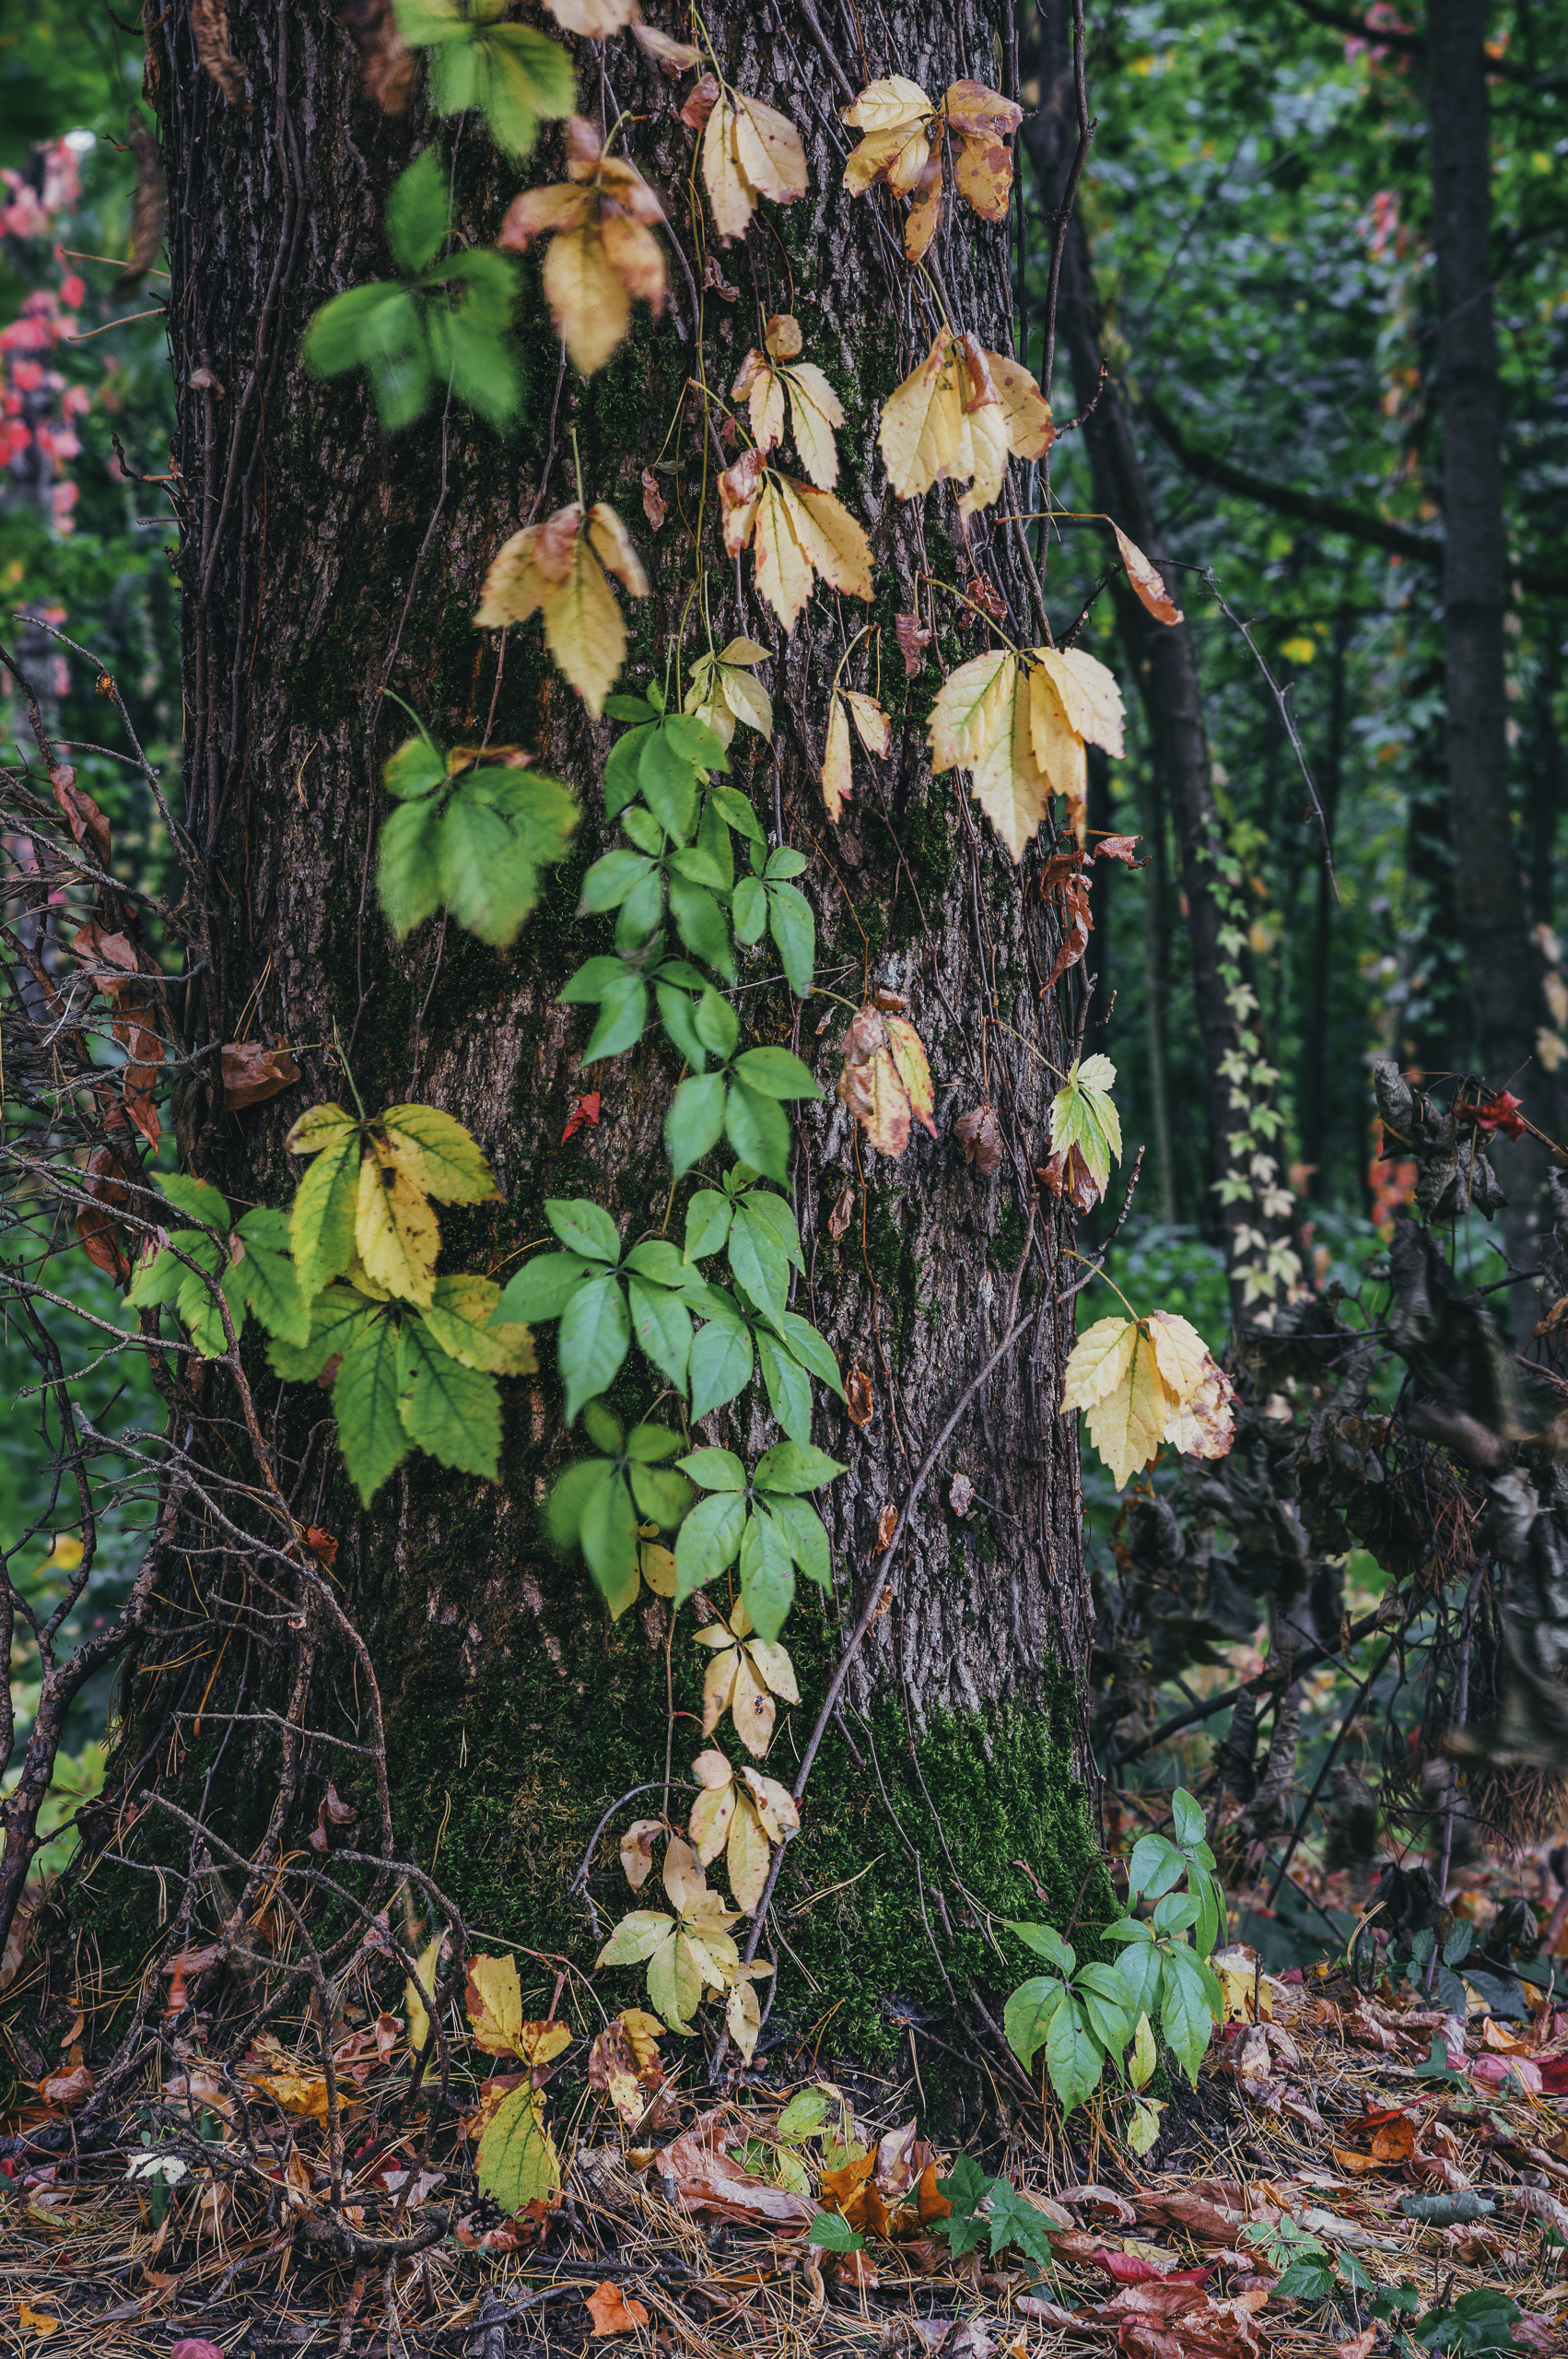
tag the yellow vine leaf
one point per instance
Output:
(559, 567)
(981, 721)
(745, 1674)
(1145, 1382)
(748, 151)
(394, 1228)
(795, 532)
(724, 692)
(874, 731)
(603, 250)
(906, 139)
(960, 416)
(1089, 694)
(418, 2014)
(908, 1052)
(743, 1817)
(1127, 1423)
(593, 19)
(764, 380)
(1019, 728)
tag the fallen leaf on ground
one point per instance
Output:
(612, 2313)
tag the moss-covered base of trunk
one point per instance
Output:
(912, 1849)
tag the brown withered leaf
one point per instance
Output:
(252, 1073)
(961, 1496)
(1076, 927)
(858, 1398)
(886, 1525)
(68, 2089)
(870, 1087)
(386, 67)
(701, 99)
(707, 2180)
(147, 206)
(209, 26)
(913, 640)
(979, 1137)
(1122, 848)
(1068, 1175)
(653, 506)
(1147, 581)
(843, 1213)
(96, 1232)
(612, 2313)
(672, 58)
(332, 1818)
(989, 599)
(83, 817)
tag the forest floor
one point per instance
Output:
(1361, 2168)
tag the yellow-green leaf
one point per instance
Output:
(517, 2162)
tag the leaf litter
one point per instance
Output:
(1353, 2162)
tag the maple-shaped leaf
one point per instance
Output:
(886, 1081)
(742, 1679)
(748, 151)
(743, 1817)
(603, 250)
(872, 727)
(1083, 1116)
(815, 410)
(906, 135)
(795, 532)
(559, 567)
(724, 692)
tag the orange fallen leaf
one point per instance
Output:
(612, 2313)
(35, 2321)
(1147, 581)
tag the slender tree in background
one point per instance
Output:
(1160, 659)
(1489, 904)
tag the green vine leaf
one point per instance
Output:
(442, 324)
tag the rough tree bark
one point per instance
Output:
(1489, 894)
(324, 564)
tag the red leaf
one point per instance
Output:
(584, 1110)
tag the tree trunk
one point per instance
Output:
(325, 564)
(1161, 659)
(1490, 901)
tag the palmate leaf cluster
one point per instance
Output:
(344, 1286)
(469, 836)
(677, 870)
(1086, 2017)
(438, 324)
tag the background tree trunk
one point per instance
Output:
(1489, 896)
(326, 563)
(1161, 660)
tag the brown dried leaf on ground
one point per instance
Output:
(697, 2173)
